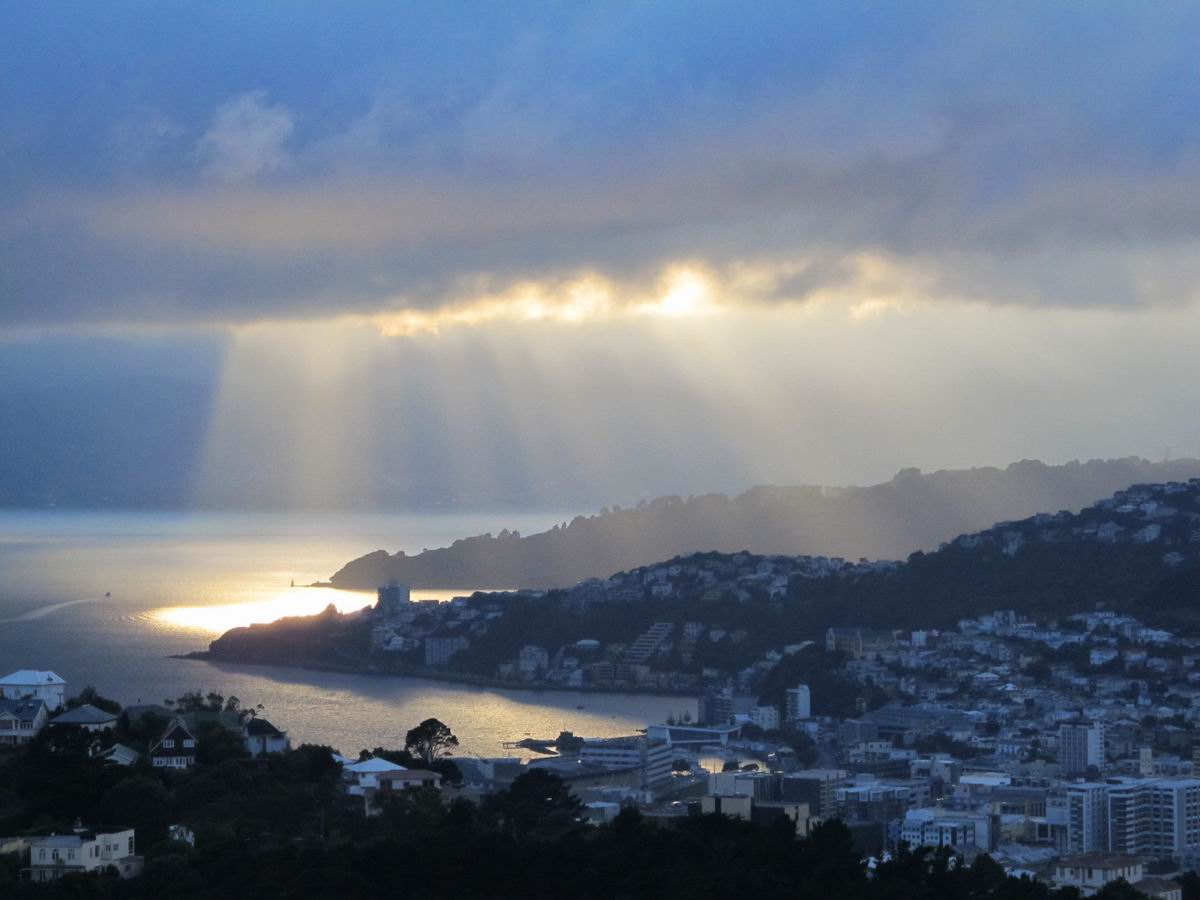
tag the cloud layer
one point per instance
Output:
(178, 163)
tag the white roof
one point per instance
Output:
(375, 764)
(24, 677)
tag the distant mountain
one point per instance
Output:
(913, 511)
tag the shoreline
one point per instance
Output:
(424, 674)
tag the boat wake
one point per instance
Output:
(43, 611)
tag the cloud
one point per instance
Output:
(247, 138)
(998, 154)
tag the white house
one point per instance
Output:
(30, 683)
(21, 720)
(261, 737)
(52, 857)
(398, 782)
(361, 776)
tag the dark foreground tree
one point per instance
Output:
(430, 741)
(537, 802)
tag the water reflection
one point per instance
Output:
(217, 618)
(220, 617)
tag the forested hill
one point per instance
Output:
(913, 511)
(1137, 552)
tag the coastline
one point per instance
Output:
(426, 674)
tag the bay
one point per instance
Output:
(105, 599)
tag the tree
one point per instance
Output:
(91, 696)
(537, 801)
(1119, 890)
(430, 741)
(142, 803)
(215, 744)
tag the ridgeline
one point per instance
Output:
(912, 512)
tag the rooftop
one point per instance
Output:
(24, 710)
(84, 715)
(26, 677)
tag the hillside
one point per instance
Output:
(912, 512)
(1136, 552)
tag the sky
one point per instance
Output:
(575, 252)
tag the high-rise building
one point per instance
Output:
(1087, 817)
(438, 650)
(392, 598)
(1154, 817)
(1080, 745)
(799, 703)
(1149, 817)
(716, 709)
(816, 787)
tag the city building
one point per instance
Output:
(1155, 817)
(765, 717)
(799, 704)
(532, 659)
(716, 708)
(1087, 817)
(652, 758)
(693, 735)
(1080, 746)
(816, 787)
(736, 807)
(932, 828)
(392, 599)
(438, 650)
(1090, 872)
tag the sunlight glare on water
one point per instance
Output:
(219, 618)
(296, 601)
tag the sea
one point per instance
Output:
(107, 599)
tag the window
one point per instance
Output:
(188, 742)
(169, 743)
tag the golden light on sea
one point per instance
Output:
(217, 618)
